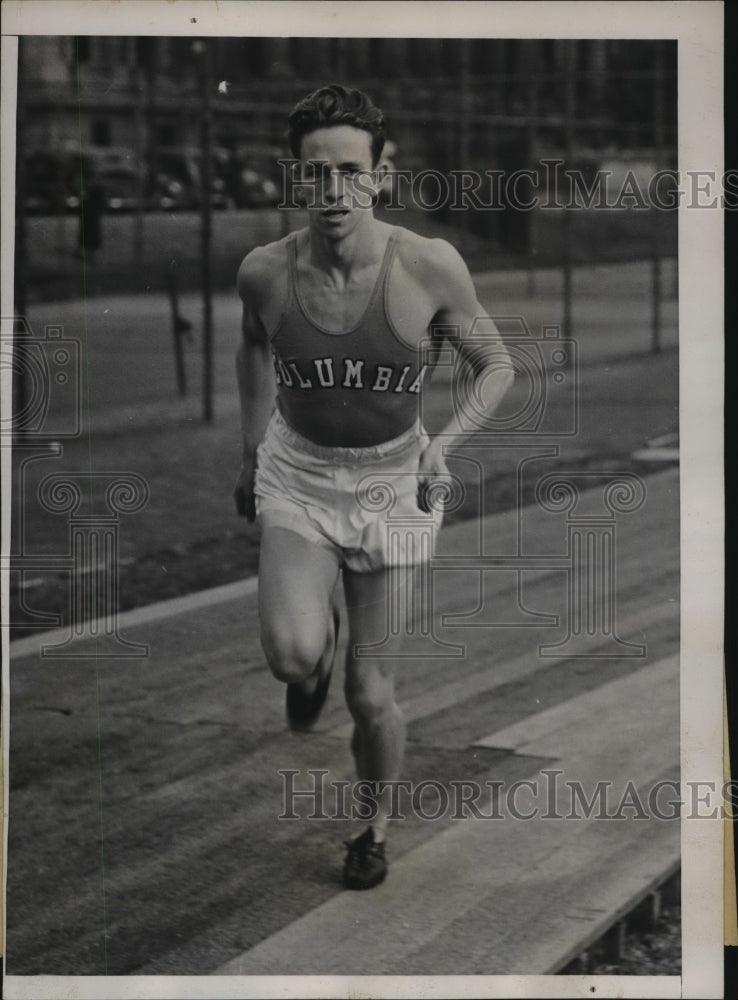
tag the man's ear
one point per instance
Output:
(378, 177)
(380, 173)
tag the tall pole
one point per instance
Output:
(658, 139)
(19, 288)
(569, 112)
(206, 232)
(534, 68)
(464, 143)
(137, 85)
(151, 71)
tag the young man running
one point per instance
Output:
(334, 319)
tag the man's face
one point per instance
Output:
(338, 180)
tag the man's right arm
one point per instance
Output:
(255, 375)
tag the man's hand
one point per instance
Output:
(243, 494)
(434, 479)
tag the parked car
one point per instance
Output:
(177, 181)
(49, 184)
(121, 187)
(256, 178)
(53, 180)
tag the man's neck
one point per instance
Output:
(358, 249)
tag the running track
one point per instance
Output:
(144, 836)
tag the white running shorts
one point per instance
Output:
(359, 502)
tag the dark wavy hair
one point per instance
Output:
(336, 105)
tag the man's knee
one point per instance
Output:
(370, 698)
(291, 658)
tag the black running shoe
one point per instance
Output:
(304, 709)
(365, 865)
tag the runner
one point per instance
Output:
(335, 317)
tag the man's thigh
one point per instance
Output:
(380, 607)
(296, 583)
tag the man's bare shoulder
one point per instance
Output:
(262, 270)
(433, 262)
(430, 257)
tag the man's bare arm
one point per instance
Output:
(474, 335)
(481, 350)
(255, 376)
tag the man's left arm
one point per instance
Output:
(484, 370)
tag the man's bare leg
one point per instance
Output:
(379, 729)
(297, 579)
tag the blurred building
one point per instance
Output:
(133, 108)
(123, 91)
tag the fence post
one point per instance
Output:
(180, 327)
(658, 133)
(204, 50)
(569, 112)
(534, 69)
(141, 143)
(464, 144)
(19, 389)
